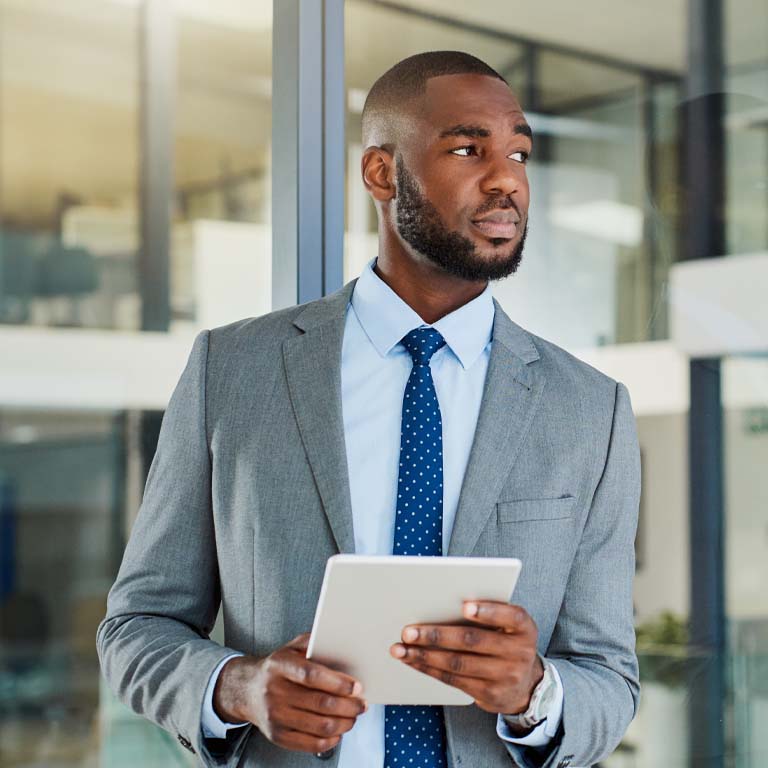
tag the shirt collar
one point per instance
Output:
(386, 318)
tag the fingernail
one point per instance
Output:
(398, 651)
(357, 689)
(410, 634)
(470, 609)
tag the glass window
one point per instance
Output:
(221, 251)
(746, 123)
(602, 88)
(61, 507)
(69, 149)
(71, 90)
(600, 240)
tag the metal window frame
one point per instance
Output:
(308, 149)
(157, 100)
(703, 172)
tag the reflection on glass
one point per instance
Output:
(60, 507)
(601, 239)
(587, 252)
(745, 437)
(69, 158)
(221, 251)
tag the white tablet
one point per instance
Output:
(366, 601)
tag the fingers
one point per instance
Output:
(321, 703)
(300, 642)
(487, 639)
(310, 674)
(460, 638)
(321, 726)
(304, 742)
(475, 687)
(305, 719)
(463, 664)
(301, 704)
(510, 618)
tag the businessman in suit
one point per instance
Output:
(404, 413)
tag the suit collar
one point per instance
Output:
(386, 319)
(334, 308)
(330, 308)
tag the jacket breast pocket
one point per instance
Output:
(525, 510)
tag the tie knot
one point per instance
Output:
(422, 343)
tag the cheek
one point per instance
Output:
(524, 190)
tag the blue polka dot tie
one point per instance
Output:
(414, 737)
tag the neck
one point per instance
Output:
(422, 285)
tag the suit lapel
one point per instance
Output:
(511, 396)
(313, 370)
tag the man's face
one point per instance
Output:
(462, 189)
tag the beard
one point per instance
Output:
(419, 223)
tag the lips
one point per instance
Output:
(498, 224)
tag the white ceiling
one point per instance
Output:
(650, 33)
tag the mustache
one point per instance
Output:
(499, 203)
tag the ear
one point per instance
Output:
(378, 170)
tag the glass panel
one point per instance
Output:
(605, 157)
(745, 383)
(586, 252)
(69, 156)
(746, 119)
(221, 255)
(605, 214)
(69, 236)
(61, 485)
(745, 450)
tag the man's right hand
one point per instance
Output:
(296, 703)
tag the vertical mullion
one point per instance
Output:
(157, 95)
(704, 237)
(285, 152)
(311, 203)
(308, 114)
(334, 145)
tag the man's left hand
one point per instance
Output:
(495, 662)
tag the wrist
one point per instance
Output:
(537, 675)
(540, 701)
(229, 697)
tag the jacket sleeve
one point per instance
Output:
(593, 643)
(153, 644)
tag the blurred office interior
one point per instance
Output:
(148, 189)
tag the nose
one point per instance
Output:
(503, 176)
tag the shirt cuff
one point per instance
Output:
(213, 726)
(545, 731)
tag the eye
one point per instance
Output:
(520, 156)
(468, 148)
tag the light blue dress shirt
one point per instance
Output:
(374, 370)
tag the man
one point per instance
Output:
(291, 437)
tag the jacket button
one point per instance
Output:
(327, 755)
(185, 743)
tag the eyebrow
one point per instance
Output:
(478, 132)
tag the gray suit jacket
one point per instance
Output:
(248, 496)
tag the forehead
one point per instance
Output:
(477, 99)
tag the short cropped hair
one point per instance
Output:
(408, 79)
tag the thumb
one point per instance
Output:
(300, 642)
